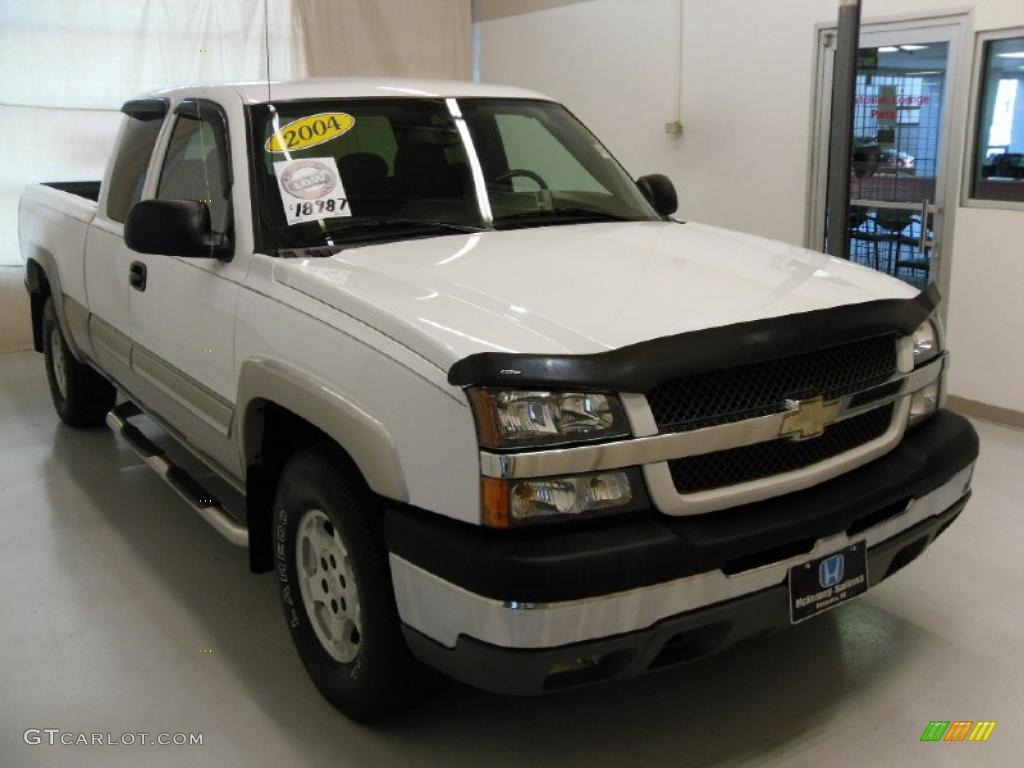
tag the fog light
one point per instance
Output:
(924, 403)
(510, 502)
(569, 495)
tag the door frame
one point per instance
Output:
(952, 134)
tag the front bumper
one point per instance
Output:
(531, 612)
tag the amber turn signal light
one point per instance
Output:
(495, 502)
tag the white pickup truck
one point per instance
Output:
(481, 404)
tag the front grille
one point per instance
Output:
(758, 389)
(752, 462)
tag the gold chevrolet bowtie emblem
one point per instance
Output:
(808, 418)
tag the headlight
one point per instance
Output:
(927, 346)
(926, 343)
(515, 418)
(515, 502)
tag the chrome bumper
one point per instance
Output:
(443, 611)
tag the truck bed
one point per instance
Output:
(53, 223)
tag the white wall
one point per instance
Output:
(614, 67)
(745, 79)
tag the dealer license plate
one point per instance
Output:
(824, 583)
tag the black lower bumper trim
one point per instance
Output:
(675, 640)
(574, 561)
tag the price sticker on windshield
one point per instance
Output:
(311, 190)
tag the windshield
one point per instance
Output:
(335, 171)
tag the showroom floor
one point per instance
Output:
(123, 612)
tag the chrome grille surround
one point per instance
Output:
(653, 449)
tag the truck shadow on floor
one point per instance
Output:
(734, 707)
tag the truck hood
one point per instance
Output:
(575, 289)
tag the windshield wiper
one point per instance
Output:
(375, 224)
(559, 215)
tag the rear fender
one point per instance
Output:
(42, 279)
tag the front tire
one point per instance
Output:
(336, 591)
(80, 396)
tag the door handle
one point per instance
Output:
(137, 275)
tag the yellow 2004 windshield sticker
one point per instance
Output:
(309, 131)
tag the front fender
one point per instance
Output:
(358, 432)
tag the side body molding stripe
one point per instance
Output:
(111, 340)
(206, 404)
(641, 367)
(364, 437)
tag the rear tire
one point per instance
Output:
(336, 592)
(80, 396)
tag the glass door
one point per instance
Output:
(899, 153)
(897, 123)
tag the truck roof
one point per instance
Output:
(355, 87)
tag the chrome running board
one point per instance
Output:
(197, 497)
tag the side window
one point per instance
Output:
(195, 167)
(128, 174)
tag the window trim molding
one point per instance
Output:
(147, 109)
(967, 200)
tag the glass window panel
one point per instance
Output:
(528, 144)
(999, 155)
(129, 172)
(195, 166)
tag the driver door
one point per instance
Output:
(183, 310)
